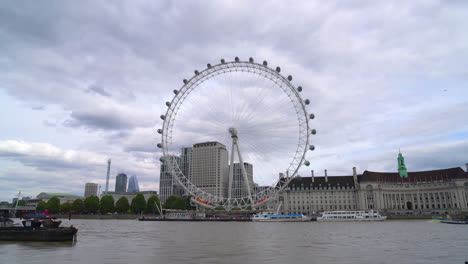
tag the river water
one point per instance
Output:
(130, 241)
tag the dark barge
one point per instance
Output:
(37, 233)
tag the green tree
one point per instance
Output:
(41, 206)
(175, 202)
(91, 204)
(66, 207)
(138, 203)
(53, 205)
(122, 205)
(153, 203)
(107, 204)
(78, 206)
(188, 205)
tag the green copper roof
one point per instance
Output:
(401, 166)
(61, 194)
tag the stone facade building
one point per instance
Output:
(130, 196)
(91, 189)
(422, 192)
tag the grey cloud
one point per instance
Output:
(353, 59)
(49, 123)
(109, 118)
(99, 90)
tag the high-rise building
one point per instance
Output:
(167, 184)
(186, 159)
(91, 189)
(239, 188)
(133, 184)
(209, 168)
(121, 183)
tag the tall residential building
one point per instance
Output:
(239, 189)
(186, 159)
(209, 169)
(121, 183)
(91, 189)
(168, 186)
(133, 184)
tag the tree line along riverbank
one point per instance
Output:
(106, 208)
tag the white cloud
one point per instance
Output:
(380, 75)
(37, 167)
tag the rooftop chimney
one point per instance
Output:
(354, 176)
(313, 175)
(326, 176)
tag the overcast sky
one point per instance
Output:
(81, 82)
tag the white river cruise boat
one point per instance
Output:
(335, 216)
(265, 217)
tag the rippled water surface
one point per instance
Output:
(130, 241)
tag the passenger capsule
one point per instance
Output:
(159, 145)
(311, 116)
(307, 163)
(223, 61)
(313, 131)
(163, 117)
(161, 159)
(168, 104)
(311, 147)
(278, 69)
(185, 81)
(196, 72)
(299, 88)
(160, 131)
(289, 78)
(307, 101)
(236, 59)
(176, 92)
(265, 63)
(208, 65)
(251, 59)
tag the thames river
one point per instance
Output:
(130, 241)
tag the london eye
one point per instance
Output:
(256, 113)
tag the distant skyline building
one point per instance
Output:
(209, 168)
(239, 188)
(121, 183)
(91, 189)
(167, 184)
(133, 184)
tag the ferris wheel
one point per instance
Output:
(250, 109)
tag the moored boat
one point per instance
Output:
(265, 217)
(455, 221)
(345, 216)
(458, 219)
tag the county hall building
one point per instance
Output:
(402, 192)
